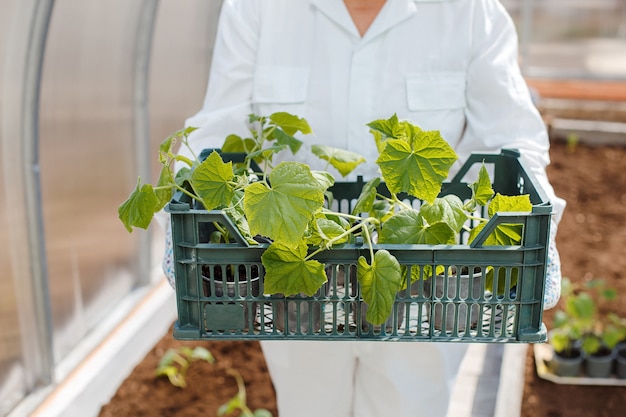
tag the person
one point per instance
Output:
(448, 65)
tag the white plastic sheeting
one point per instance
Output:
(88, 91)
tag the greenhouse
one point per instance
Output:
(88, 92)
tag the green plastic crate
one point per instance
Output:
(431, 310)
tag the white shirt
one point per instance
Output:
(444, 65)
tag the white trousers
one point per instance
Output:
(362, 379)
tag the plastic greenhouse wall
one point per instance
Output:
(115, 78)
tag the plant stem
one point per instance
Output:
(184, 159)
(396, 201)
(366, 237)
(223, 231)
(480, 219)
(241, 393)
(362, 225)
(186, 143)
(191, 195)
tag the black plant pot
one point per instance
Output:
(620, 360)
(568, 364)
(600, 364)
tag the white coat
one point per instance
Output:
(444, 65)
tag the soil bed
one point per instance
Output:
(591, 241)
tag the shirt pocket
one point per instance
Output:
(280, 85)
(431, 91)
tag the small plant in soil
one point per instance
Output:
(175, 363)
(239, 401)
(287, 204)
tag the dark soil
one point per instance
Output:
(591, 240)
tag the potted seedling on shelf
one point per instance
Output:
(620, 348)
(600, 341)
(581, 334)
(284, 204)
(570, 324)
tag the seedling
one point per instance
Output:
(580, 322)
(175, 363)
(239, 401)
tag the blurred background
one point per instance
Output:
(88, 89)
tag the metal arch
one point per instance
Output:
(37, 340)
(141, 120)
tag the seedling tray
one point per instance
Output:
(543, 355)
(432, 309)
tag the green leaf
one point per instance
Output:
(447, 209)
(591, 344)
(200, 353)
(482, 190)
(408, 227)
(183, 175)
(560, 340)
(229, 407)
(609, 294)
(283, 211)
(380, 283)
(325, 230)
(505, 203)
(139, 208)
(167, 145)
(261, 412)
(324, 179)
(168, 358)
(418, 166)
(211, 181)
(267, 152)
(365, 202)
(291, 123)
(344, 161)
(503, 235)
(384, 129)
(611, 336)
(502, 287)
(287, 140)
(238, 217)
(287, 272)
(165, 187)
(234, 143)
(389, 128)
(381, 210)
(581, 306)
